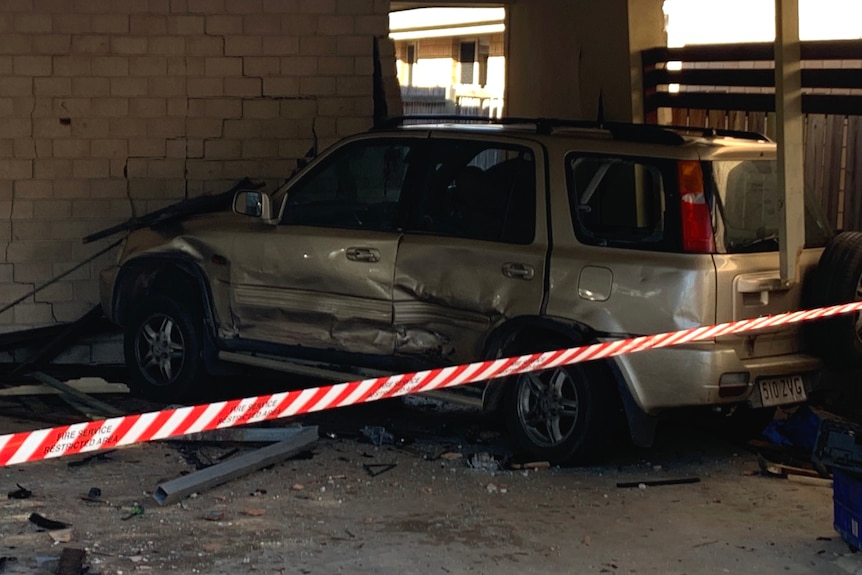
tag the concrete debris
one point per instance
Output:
(377, 435)
(532, 465)
(658, 482)
(61, 535)
(483, 461)
(451, 455)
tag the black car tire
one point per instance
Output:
(562, 415)
(162, 346)
(837, 280)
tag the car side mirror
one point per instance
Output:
(253, 203)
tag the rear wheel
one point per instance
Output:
(562, 415)
(162, 346)
(838, 280)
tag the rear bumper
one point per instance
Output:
(689, 376)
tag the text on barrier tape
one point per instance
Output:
(126, 430)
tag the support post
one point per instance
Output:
(788, 107)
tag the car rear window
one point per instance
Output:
(746, 199)
(622, 201)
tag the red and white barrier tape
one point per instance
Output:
(126, 430)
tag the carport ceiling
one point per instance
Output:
(394, 6)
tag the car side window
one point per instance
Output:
(478, 190)
(617, 201)
(358, 186)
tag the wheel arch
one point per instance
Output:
(173, 275)
(501, 342)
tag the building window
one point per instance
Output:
(410, 60)
(467, 58)
(482, 62)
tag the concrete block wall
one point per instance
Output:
(113, 108)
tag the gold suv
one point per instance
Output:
(423, 245)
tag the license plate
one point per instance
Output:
(782, 390)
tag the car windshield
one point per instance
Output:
(746, 195)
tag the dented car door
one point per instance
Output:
(473, 253)
(322, 278)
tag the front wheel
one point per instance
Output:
(563, 414)
(162, 347)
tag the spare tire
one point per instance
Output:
(837, 280)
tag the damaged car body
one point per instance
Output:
(422, 246)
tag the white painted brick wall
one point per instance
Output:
(109, 109)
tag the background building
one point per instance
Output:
(450, 60)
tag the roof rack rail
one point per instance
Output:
(397, 121)
(721, 132)
(657, 133)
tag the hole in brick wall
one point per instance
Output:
(65, 121)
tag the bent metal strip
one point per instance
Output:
(129, 429)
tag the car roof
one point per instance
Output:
(651, 134)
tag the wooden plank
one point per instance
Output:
(834, 139)
(697, 118)
(757, 51)
(757, 122)
(60, 342)
(814, 142)
(88, 385)
(811, 103)
(736, 120)
(711, 53)
(78, 400)
(680, 116)
(717, 119)
(853, 178)
(770, 128)
(752, 78)
(815, 481)
(182, 208)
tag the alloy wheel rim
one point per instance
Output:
(548, 406)
(160, 349)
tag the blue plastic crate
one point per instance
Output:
(847, 498)
(839, 445)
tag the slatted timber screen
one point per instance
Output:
(733, 86)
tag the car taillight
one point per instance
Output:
(697, 236)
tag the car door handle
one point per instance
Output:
(363, 254)
(518, 271)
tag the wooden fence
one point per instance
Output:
(732, 86)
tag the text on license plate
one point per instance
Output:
(782, 390)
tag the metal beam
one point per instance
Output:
(788, 107)
(79, 400)
(176, 489)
